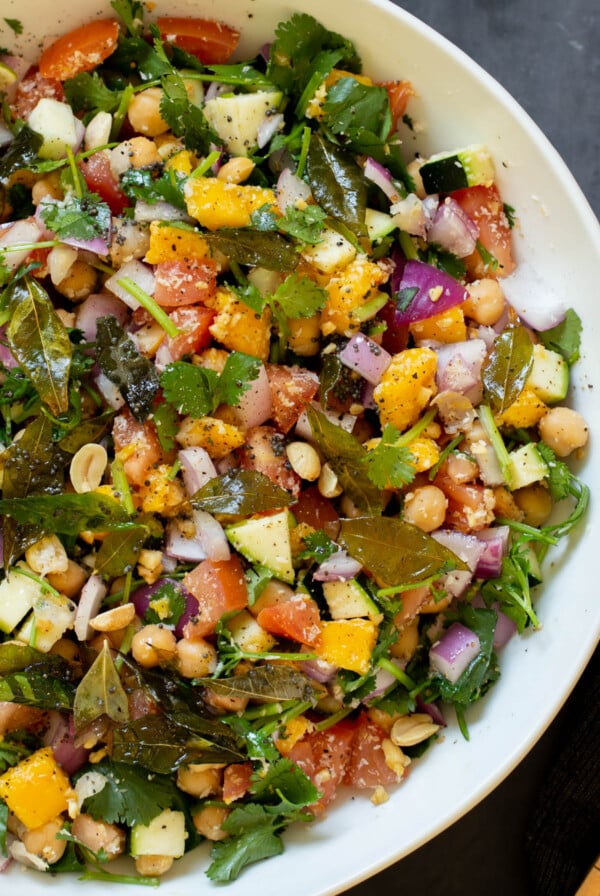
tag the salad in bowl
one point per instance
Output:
(285, 444)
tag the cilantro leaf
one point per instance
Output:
(299, 297)
(150, 186)
(317, 546)
(389, 464)
(237, 375)
(251, 839)
(130, 795)
(353, 110)
(87, 92)
(15, 25)
(82, 219)
(305, 224)
(166, 421)
(198, 391)
(565, 338)
(183, 117)
(167, 604)
(132, 13)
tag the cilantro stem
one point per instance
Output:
(121, 112)
(407, 245)
(122, 485)
(416, 430)
(295, 710)
(486, 418)
(306, 135)
(444, 454)
(44, 585)
(147, 302)
(333, 719)
(205, 165)
(401, 676)
(109, 877)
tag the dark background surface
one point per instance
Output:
(546, 53)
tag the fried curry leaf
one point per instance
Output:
(21, 153)
(34, 688)
(507, 367)
(133, 373)
(337, 183)
(120, 550)
(253, 247)
(40, 342)
(100, 693)
(268, 682)
(394, 552)
(241, 493)
(67, 514)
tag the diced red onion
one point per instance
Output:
(318, 670)
(145, 212)
(436, 292)
(456, 582)
(366, 357)
(383, 680)
(495, 541)
(5, 863)
(430, 206)
(268, 128)
(291, 190)
(398, 264)
(453, 229)
(163, 356)
(366, 399)
(337, 568)
(535, 301)
(7, 359)
(61, 737)
(505, 626)
(142, 597)
(454, 651)
(141, 274)
(432, 709)
(408, 215)
(215, 89)
(209, 541)
(459, 368)
(488, 335)
(98, 305)
(382, 178)
(109, 391)
(467, 548)
(256, 403)
(197, 468)
(90, 601)
(21, 233)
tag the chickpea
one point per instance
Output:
(79, 282)
(200, 781)
(69, 650)
(426, 508)
(461, 468)
(43, 842)
(48, 187)
(144, 113)
(195, 658)
(97, 835)
(153, 866)
(564, 430)
(208, 821)
(486, 302)
(135, 153)
(535, 502)
(153, 645)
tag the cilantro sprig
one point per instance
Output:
(198, 391)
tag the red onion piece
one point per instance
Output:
(291, 190)
(535, 301)
(467, 547)
(456, 582)
(140, 273)
(459, 368)
(214, 89)
(142, 597)
(454, 651)
(337, 568)
(99, 305)
(99, 245)
(382, 178)
(197, 468)
(61, 737)
(5, 863)
(209, 541)
(495, 541)
(505, 626)
(453, 229)
(366, 399)
(432, 709)
(436, 292)
(303, 428)
(409, 215)
(318, 670)
(268, 128)
(90, 601)
(21, 233)
(398, 264)
(7, 359)
(109, 391)
(256, 403)
(366, 357)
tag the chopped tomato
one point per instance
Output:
(31, 89)
(80, 50)
(265, 451)
(192, 322)
(470, 505)
(236, 781)
(292, 388)
(220, 587)
(138, 444)
(399, 93)
(324, 757)
(297, 619)
(212, 42)
(394, 338)
(185, 282)
(316, 511)
(367, 766)
(484, 205)
(99, 179)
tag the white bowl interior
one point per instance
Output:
(559, 238)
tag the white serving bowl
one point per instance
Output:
(558, 238)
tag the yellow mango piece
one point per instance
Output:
(239, 328)
(183, 161)
(348, 292)
(37, 789)
(291, 733)
(160, 493)
(526, 411)
(214, 203)
(449, 326)
(215, 436)
(348, 643)
(406, 387)
(170, 243)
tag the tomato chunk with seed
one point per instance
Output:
(484, 205)
(220, 587)
(185, 282)
(236, 781)
(265, 451)
(317, 511)
(212, 42)
(324, 757)
(297, 619)
(292, 388)
(99, 179)
(140, 446)
(192, 322)
(367, 766)
(80, 50)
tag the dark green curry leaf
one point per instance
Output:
(15, 657)
(507, 367)
(394, 552)
(347, 458)
(241, 493)
(91, 430)
(254, 247)
(100, 693)
(68, 514)
(133, 373)
(267, 682)
(120, 550)
(565, 337)
(40, 342)
(34, 688)
(21, 153)
(337, 183)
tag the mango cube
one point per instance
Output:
(37, 789)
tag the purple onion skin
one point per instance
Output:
(68, 756)
(427, 280)
(142, 596)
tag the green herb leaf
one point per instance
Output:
(15, 25)
(299, 297)
(120, 550)
(36, 688)
(100, 693)
(352, 109)
(199, 391)
(166, 421)
(87, 93)
(305, 225)
(40, 343)
(152, 186)
(505, 371)
(252, 838)
(241, 493)
(565, 338)
(132, 13)
(130, 796)
(337, 183)
(389, 464)
(21, 153)
(394, 552)
(82, 219)
(252, 247)
(67, 514)
(267, 682)
(183, 117)
(167, 604)
(482, 670)
(133, 373)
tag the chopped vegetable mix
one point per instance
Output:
(280, 463)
